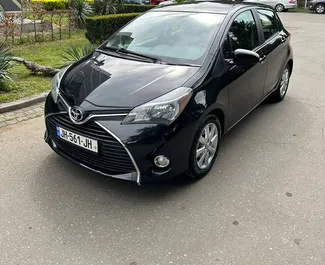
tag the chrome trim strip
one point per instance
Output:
(90, 115)
(56, 113)
(127, 176)
(127, 150)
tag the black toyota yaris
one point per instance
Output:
(155, 99)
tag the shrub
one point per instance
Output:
(53, 4)
(57, 4)
(101, 7)
(5, 65)
(100, 28)
(76, 52)
(105, 7)
(135, 8)
(82, 10)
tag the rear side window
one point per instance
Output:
(242, 35)
(269, 23)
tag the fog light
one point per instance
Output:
(161, 161)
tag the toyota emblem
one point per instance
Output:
(76, 114)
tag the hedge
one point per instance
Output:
(64, 4)
(52, 4)
(128, 8)
(56, 4)
(100, 28)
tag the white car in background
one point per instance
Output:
(170, 2)
(278, 5)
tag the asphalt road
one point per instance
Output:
(263, 202)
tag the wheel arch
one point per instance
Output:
(290, 63)
(279, 3)
(221, 116)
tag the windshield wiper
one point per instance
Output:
(183, 64)
(125, 51)
(153, 58)
(102, 49)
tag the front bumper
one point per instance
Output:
(311, 6)
(138, 144)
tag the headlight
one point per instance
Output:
(164, 109)
(56, 83)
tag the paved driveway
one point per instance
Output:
(263, 202)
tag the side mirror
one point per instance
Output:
(246, 57)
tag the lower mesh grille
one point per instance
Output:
(112, 157)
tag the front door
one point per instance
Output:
(245, 82)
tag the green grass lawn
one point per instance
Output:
(299, 10)
(45, 53)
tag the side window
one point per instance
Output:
(242, 35)
(269, 22)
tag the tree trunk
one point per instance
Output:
(35, 68)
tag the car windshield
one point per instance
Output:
(174, 37)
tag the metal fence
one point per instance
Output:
(36, 26)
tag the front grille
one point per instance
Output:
(112, 157)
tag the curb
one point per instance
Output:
(23, 103)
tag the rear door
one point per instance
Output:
(274, 48)
(245, 82)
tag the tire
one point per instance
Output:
(279, 94)
(279, 8)
(320, 9)
(196, 171)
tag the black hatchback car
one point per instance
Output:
(154, 100)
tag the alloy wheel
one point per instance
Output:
(207, 145)
(284, 82)
(320, 9)
(279, 8)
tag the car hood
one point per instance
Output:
(107, 81)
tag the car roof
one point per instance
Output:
(205, 7)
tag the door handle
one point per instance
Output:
(262, 58)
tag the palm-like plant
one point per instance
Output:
(76, 52)
(2, 13)
(5, 65)
(82, 10)
(104, 7)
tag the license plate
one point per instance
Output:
(77, 139)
